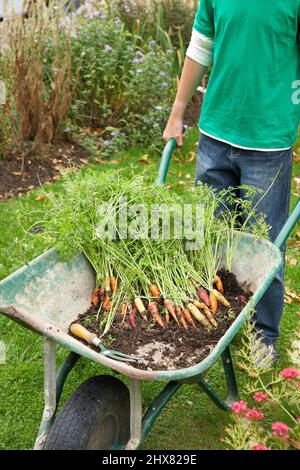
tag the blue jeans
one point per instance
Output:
(221, 165)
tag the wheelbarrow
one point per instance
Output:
(103, 413)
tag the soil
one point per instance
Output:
(38, 170)
(57, 157)
(172, 347)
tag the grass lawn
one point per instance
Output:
(191, 420)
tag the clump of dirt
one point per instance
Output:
(173, 347)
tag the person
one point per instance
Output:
(249, 118)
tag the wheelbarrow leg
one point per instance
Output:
(232, 388)
(49, 392)
(53, 387)
(135, 414)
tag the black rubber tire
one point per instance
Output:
(95, 417)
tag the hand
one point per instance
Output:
(174, 129)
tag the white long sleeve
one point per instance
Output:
(200, 48)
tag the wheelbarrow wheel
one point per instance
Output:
(96, 416)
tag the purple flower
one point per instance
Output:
(106, 142)
(107, 47)
(164, 85)
(114, 133)
(147, 121)
(151, 53)
(152, 42)
(158, 107)
(130, 48)
(138, 53)
(139, 71)
(156, 125)
(135, 61)
(142, 59)
(164, 74)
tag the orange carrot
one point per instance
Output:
(113, 284)
(169, 306)
(155, 291)
(213, 303)
(167, 316)
(107, 304)
(206, 311)
(152, 307)
(188, 317)
(180, 317)
(221, 298)
(203, 296)
(95, 299)
(219, 284)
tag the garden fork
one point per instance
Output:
(91, 338)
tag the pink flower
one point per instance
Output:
(260, 397)
(254, 415)
(290, 373)
(239, 407)
(280, 430)
(259, 447)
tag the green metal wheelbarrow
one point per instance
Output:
(104, 413)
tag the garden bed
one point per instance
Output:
(172, 347)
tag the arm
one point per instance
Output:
(192, 74)
(198, 57)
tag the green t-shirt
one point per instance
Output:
(248, 101)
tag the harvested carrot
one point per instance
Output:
(221, 298)
(169, 306)
(213, 303)
(107, 304)
(141, 307)
(101, 294)
(107, 286)
(124, 308)
(219, 284)
(131, 317)
(152, 307)
(180, 317)
(198, 315)
(167, 316)
(113, 284)
(155, 291)
(206, 311)
(95, 298)
(203, 296)
(188, 317)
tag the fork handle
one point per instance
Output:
(78, 330)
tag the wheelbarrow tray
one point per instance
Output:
(48, 294)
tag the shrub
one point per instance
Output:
(124, 82)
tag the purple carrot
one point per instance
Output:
(131, 317)
(203, 295)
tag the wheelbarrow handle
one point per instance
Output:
(288, 226)
(165, 159)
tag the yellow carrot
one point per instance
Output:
(206, 311)
(141, 307)
(198, 315)
(221, 298)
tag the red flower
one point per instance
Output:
(260, 397)
(239, 407)
(259, 447)
(254, 415)
(280, 430)
(290, 373)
